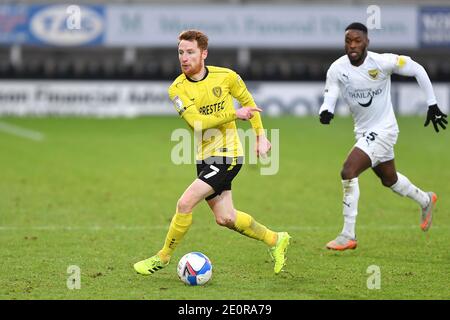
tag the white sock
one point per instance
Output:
(350, 206)
(404, 187)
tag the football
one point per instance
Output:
(194, 269)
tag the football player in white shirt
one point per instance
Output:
(363, 79)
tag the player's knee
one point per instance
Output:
(389, 182)
(225, 221)
(184, 205)
(348, 172)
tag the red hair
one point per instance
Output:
(191, 35)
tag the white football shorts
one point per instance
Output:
(378, 145)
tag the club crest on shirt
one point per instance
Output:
(217, 91)
(373, 73)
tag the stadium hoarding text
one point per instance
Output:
(233, 25)
(140, 98)
(254, 26)
(263, 26)
(84, 98)
(434, 26)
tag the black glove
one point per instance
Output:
(436, 117)
(325, 117)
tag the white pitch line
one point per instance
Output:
(21, 132)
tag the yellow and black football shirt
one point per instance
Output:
(208, 103)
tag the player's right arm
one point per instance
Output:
(330, 96)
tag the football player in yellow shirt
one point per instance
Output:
(203, 96)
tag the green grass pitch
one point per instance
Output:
(100, 193)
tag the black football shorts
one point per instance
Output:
(218, 172)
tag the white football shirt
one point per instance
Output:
(366, 89)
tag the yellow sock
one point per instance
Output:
(178, 228)
(246, 225)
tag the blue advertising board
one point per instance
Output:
(66, 25)
(13, 24)
(54, 25)
(434, 26)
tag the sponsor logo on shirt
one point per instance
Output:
(212, 108)
(364, 97)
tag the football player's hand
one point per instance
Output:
(436, 117)
(325, 117)
(263, 146)
(246, 113)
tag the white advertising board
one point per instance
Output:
(264, 26)
(138, 98)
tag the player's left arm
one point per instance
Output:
(405, 66)
(239, 91)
